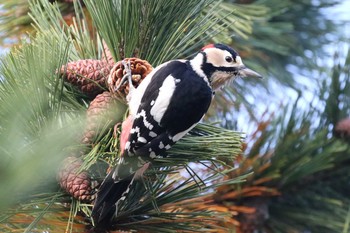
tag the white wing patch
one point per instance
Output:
(145, 122)
(142, 140)
(152, 155)
(161, 145)
(163, 99)
(152, 134)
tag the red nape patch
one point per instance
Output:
(208, 46)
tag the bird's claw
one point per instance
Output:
(127, 76)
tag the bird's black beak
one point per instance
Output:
(246, 72)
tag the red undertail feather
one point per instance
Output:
(124, 136)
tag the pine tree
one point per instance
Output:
(68, 65)
(56, 106)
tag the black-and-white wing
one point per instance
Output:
(173, 102)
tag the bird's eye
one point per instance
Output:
(229, 59)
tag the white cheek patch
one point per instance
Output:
(217, 56)
(163, 99)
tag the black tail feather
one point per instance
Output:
(109, 193)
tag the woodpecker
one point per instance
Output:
(167, 104)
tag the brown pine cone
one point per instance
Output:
(342, 129)
(139, 70)
(78, 185)
(89, 75)
(103, 110)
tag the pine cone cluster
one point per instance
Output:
(139, 70)
(94, 78)
(89, 76)
(77, 184)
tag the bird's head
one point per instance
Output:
(220, 64)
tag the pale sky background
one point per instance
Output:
(286, 96)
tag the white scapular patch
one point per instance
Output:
(163, 99)
(142, 139)
(137, 94)
(177, 80)
(136, 97)
(152, 134)
(152, 102)
(161, 145)
(152, 155)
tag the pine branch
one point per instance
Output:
(165, 193)
(36, 116)
(49, 21)
(57, 105)
(153, 35)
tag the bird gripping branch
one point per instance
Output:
(168, 103)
